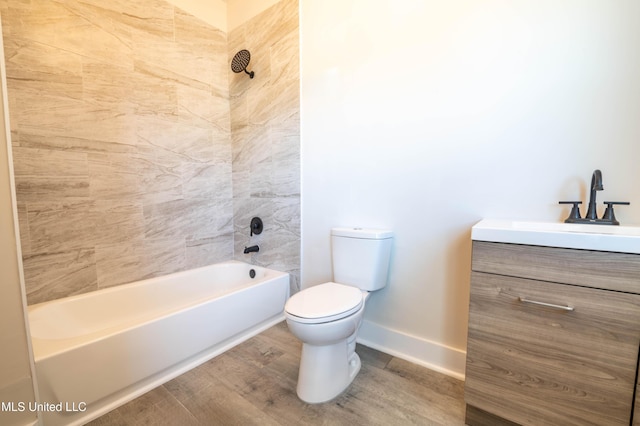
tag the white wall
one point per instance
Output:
(426, 116)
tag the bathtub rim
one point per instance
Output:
(142, 282)
(44, 348)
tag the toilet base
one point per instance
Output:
(326, 371)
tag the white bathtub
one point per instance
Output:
(96, 351)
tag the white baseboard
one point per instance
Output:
(432, 355)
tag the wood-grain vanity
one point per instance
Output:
(554, 333)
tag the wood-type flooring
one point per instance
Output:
(255, 384)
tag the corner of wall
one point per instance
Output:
(213, 12)
(240, 11)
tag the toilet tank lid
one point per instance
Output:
(364, 233)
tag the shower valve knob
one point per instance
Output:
(256, 226)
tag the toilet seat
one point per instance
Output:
(324, 303)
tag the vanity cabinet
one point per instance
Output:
(554, 335)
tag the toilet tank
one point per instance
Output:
(361, 257)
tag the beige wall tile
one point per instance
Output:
(117, 222)
(125, 263)
(145, 20)
(176, 61)
(121, 263)
(285, 58)
(190, 219)
(42, 68)
(51, 188)
(40, 139)
(108, 83)
(134, 177)
(207, 251)
(44, 162)
(50, 23)
(265, 134)
(154, 94)
(61, 226)
(191, 29)
(138, 152)
(60, 274)
(206, 181)
(23, 224)
(117, 107)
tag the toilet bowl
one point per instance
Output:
(326, 317)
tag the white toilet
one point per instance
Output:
(326, 317)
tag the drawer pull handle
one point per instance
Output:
(548, 305)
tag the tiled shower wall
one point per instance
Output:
(265, 130)
(120, 125)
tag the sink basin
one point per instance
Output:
(623, 239)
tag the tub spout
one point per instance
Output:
(252, 249)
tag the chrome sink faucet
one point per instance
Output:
(591, 217)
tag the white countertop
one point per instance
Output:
(623, 239)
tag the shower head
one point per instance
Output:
(240, 62)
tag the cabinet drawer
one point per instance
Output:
(534, 364)
(606, 270)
